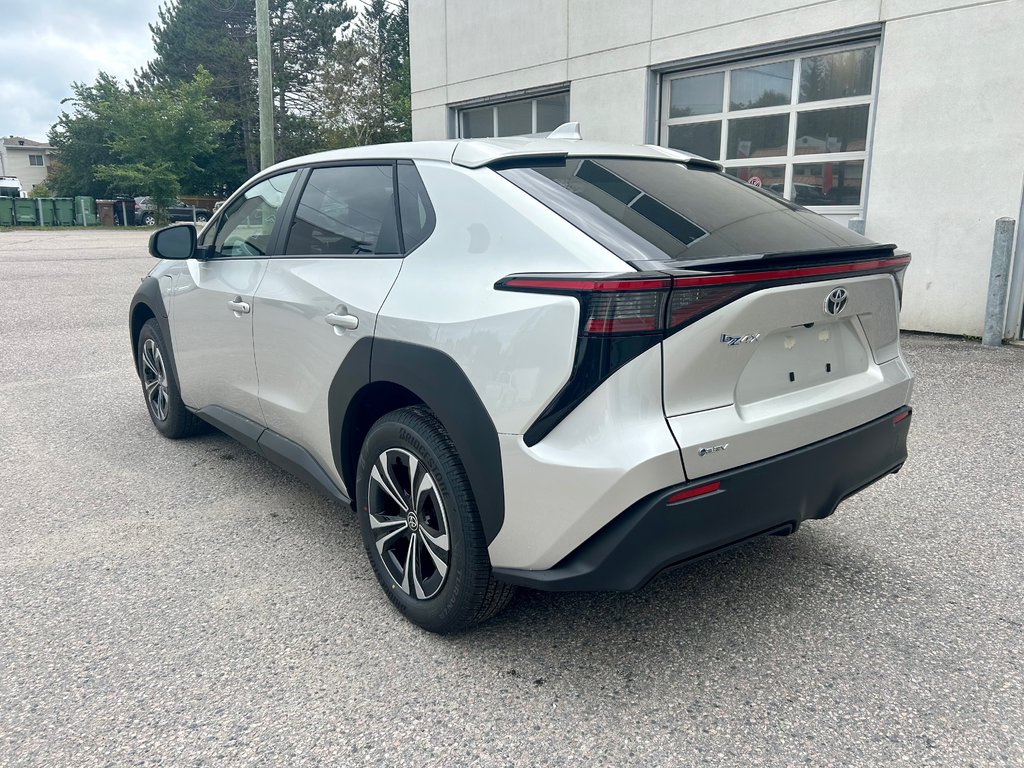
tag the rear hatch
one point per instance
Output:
(779, 328)
(783, 357)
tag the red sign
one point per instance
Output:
(754, 181)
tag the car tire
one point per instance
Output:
(420, 525)
(201, 218)
(149, 219)
(169, 414)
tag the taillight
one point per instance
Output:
(615, 305)
(688, 304)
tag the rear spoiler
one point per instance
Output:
(782, 259)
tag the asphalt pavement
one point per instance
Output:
(187, 603)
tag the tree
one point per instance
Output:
(135, 141)
(366, 91)
(220, 36)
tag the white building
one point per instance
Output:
(28, 160)
(907, 113)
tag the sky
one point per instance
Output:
(47, 44)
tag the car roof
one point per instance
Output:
(476, 153)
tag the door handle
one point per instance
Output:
(349, 322)
(237, 305)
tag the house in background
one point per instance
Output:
(28, 160)
(906, 113)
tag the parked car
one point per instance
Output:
(145, 212)
(540, 362)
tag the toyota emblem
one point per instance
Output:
(835, 302)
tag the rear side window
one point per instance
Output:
(654, 210)
(417, 212)
(346, 211)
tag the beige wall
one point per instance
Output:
(16, 163)
(948, 151)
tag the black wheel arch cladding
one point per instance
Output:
(149, 302)
(439, 383)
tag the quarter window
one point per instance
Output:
(515, 118)
(346, 211)
(798, 126)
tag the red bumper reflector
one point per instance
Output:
(900, 417)
(689, 493)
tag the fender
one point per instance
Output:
(442, 385)
(148, 293)
(437, 381)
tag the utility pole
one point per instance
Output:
(266, 82)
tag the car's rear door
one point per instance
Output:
(317, 305)
(212, 304)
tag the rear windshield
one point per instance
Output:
(653, 210)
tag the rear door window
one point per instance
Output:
(346, 210)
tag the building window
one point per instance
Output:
(515, 118)
(35, 160)
(798, 126)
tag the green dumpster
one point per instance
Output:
(85, 211)
(46, 212)
(24, 211)
(64, 209)
(6, 211)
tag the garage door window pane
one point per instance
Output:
(768, 85)
(552, 111)
(828, 183)
(832, 130)
(837, 75)
(771, 178)
(698, 95)
(515, 118)
(478, 123)
(758, 136)
(704, 139)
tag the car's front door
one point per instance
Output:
(212, 307)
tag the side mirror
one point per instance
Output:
(176, 242)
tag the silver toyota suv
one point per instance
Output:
(544, 362)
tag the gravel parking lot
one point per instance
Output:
(187, 603)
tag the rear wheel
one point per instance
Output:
(166, 409)
(420, 525)
(149, 219)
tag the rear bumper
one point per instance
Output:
(771, 496)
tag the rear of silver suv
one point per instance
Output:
(775, 336)
(550, 363)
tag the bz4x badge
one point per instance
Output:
(734, 341)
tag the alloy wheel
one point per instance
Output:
(154, 379)
(409, 523)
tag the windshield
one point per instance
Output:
(653, 210)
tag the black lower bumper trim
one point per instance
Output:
(771, 496)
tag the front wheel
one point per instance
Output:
(166, 409)
(420, 525)
(201, 218)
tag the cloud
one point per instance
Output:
(42, 51)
